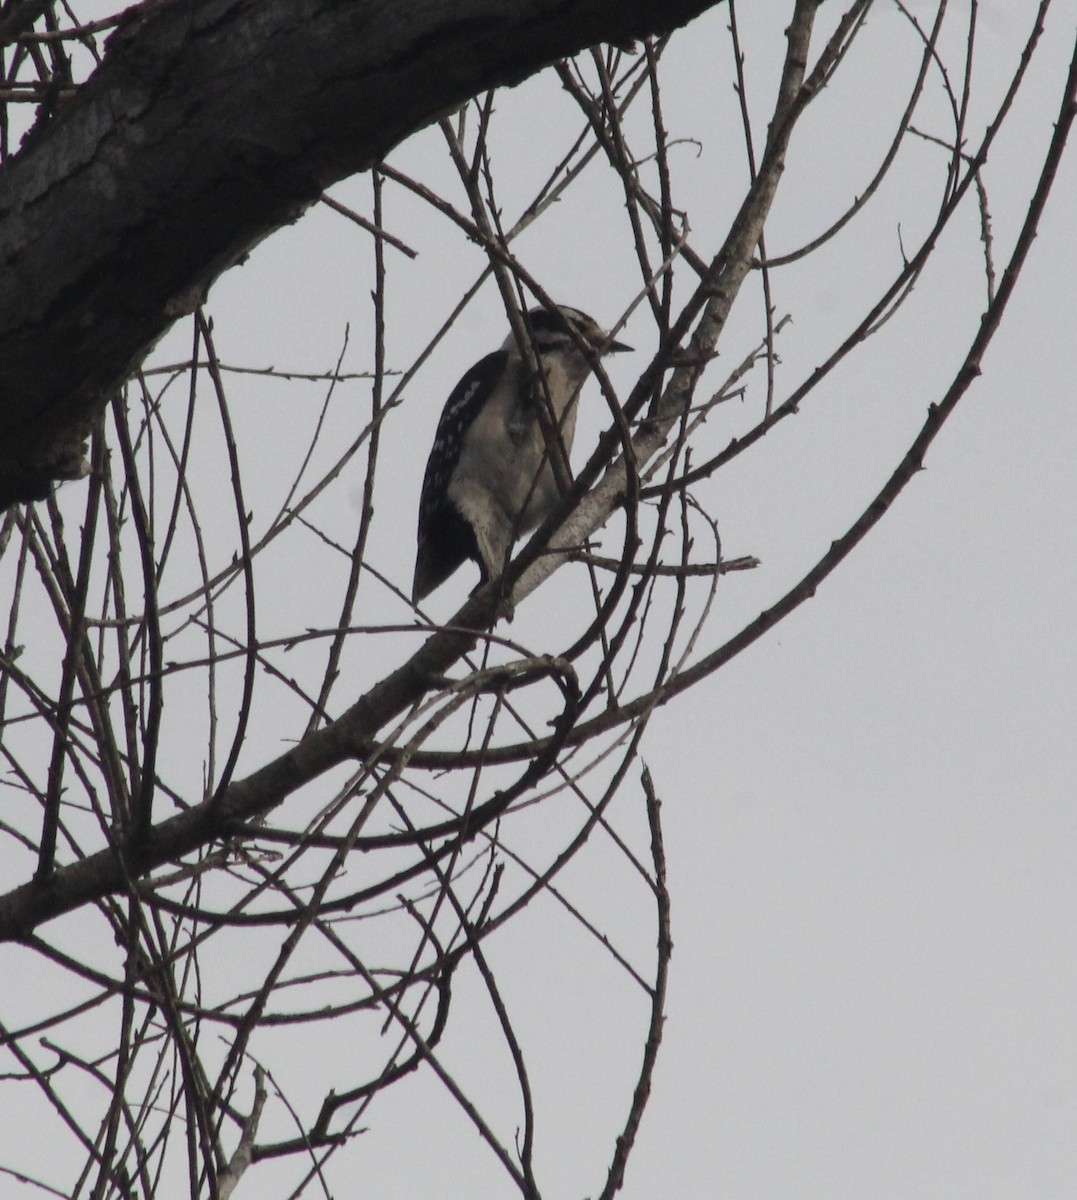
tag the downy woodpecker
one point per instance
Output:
(489, 478)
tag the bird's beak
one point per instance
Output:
(615, 348)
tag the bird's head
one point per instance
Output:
(562, 329)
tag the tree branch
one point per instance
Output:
(210, 124)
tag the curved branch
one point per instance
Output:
(117, 215)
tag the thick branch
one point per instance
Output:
(210, 124)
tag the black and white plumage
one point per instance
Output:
(488, 479)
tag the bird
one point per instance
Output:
(489, 478)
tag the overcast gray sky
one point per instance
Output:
(870, 815)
